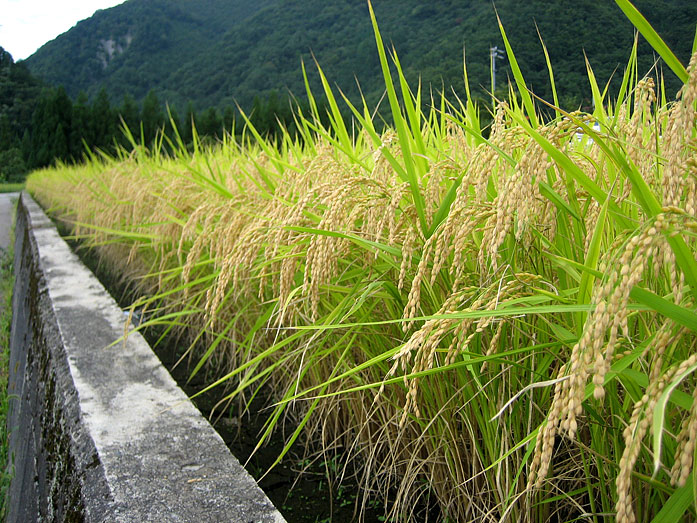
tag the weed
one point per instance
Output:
(6, 283)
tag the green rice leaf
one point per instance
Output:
(625, 86)
(338, 120)
(550, 71)
(680, 315)
(677, 504)
(598, 97)
(678, 397)
(549, 192)
(445, 205)
(518, 75)
(591, 262)
(659, 415)
(652, 38)
(405, 138)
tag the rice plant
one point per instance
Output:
(498, 323)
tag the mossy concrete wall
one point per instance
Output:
(101, 433)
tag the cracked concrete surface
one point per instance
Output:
(102, 431)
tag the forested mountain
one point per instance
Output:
(221, 52)
(136, 46)
(19, 91)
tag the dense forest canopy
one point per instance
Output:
(40, 124)
(230, 51)
(19, 92)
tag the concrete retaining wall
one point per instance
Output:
(103, 434)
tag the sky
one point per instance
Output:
(26, 25)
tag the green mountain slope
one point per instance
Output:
(134, 47)
(228, 51)
(19, 91)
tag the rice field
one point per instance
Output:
(498, 322)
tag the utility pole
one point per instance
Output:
(494, 53)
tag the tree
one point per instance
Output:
(210, 123)
(19, 93)
(103, 121)
(59, 147)
(50, 127)
(12, 166)
(6, 60)
(81, 128)
(188, 124)
(129, 115)
(229, 119)
(7, 137)
(152, 117)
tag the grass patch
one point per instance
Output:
(6, 284)
(11, 187)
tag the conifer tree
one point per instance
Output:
(152, 117)
(103, 121)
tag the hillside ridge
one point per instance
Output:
(228, 51)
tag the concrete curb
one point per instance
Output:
(96, 433)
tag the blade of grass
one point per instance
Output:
(403, 133)
(677, 504)
(518, 75)
(653, 39)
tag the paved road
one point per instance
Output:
(6, 209)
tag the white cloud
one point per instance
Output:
(25, 25)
